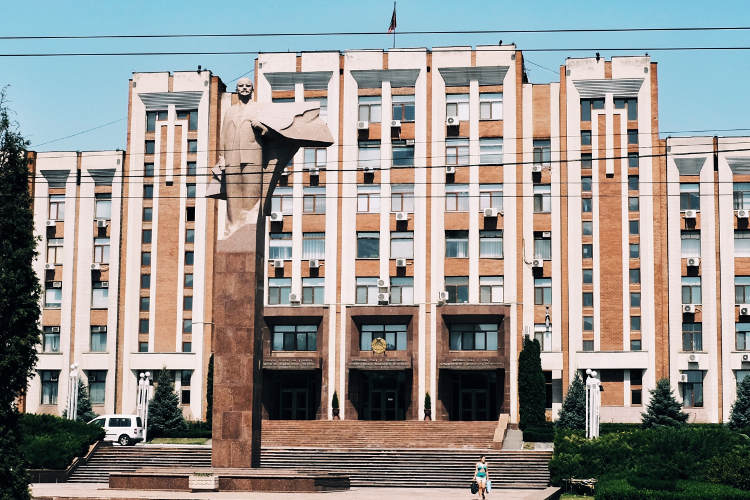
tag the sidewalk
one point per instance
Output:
(67, 491)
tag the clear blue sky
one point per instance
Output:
(56, 97)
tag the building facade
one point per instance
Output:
(459, 209)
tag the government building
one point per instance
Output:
(459, 209)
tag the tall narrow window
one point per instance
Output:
(54, 250)
(50, 380)
(691, 289)
(741, 243)
(103, 208)
(628, 103)
(689, 196)
(542, 198)
(53, 294)
(191, 115)
(542, 245)
(50, 339)
(101, 250)
(692, 337)
(98, 341)
(692, 390)
(542, 152)
(690, 243)
(741, 195)
(742, 336)
(742, 289)
(99, 294)
(57, 207)
(491, 196)
(542, 291)
(402, 198)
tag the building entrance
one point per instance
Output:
(469, 395)
(381, 395)
(291, 395)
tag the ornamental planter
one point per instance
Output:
(427, 414)
(203, 482)
(335, 412)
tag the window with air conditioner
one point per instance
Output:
(295, 338)
(402, 245)
(402, 290)
(403, 107)
(692, 390)
(50, 339)
(458, 289)
(741, 195)
(394, 336)
(52, 295)
(368, 154)
(280, 246)
(692, 337)
(50, 382)
(366, 290)
(313, 290)
(402, 198)
(279, 290)
(55, 250)
(457, 105)
(542, 198)
(491, 196)
(542, 245)
(402, 154)
(690, 243)
(103, 206)
(369, 109)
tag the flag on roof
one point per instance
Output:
(392, 27)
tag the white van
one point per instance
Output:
(123, 429)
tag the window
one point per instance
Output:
(97, 380)
(145, 258)
(394, 336)
(635, 345)
(542, 245)
(314, 200)
(187, 303)
(403, 107)
(456, 152)
(588, 276)
(187, 346)
(586, 184)
(282, 200)
(295, 338)
(313, 290)
(587, 299)
(457, 105)
(190, 214)
(49, 386)
(742, 289)
(490, 106)
(148, 170)
(588, 323)
(633, 182)
(189, 235)
(187, 325)
(692, 337)
(542, 152)
(103, 206)
(368, 245)
(402, 290)
(152, 117)
(189, 258)
(741, 243)
(635, 250)
(148, 214)
(629, 103)
(53, 294)
(150, 147)
(191, 115)
(368, 155)
(473, 337)
(315, 158)
(635, 276)
(585, 137)
(98, 340)
(57, 207)
(543, 336)
(632, 160)
(741, 195)
(188, 280)
(632, 136)
(369, 108)
(586, 205)
(402, 198)
(491, 244)
(490, 289)
(99, 294)
(587, 251)
(692, 390)
(54, 250)
(278, 290)
(491, 196)
(542, 291)
(402, 245)
(192, 145)
(366, 290)
(542, 198)
(634, 227)
(690, 243)
(548, 389)
(457, 244)
(185, 376)
(190, 190)
(635, 299)
(635, 323)
(491, 151)
(588, 346)
(313, 246)
(148, 191)
(191, 168)
(145, 303)
(636, 383)
(323, 102)
(587, 105)
(280, 246)
(457, 288)
(742, 336)
(143, 325)
(282, 99)
(691, 289)
(51, 339)
(142, 346)
(689, 196)
(368, 198)
(145, 237)
(586, 160)
(402, 154)
(456, 197)
(587, 228)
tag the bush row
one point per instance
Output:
(621, 489)
(50, 442)
(539, 433)
(193, 429)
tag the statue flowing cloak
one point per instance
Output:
(290, 126)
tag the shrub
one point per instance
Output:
(539, 433)
(193, 429)
(620, 489)
(612, 427)
(532, 394)
(740, 416)
(730, 468)
(663, 409)
(573, 412)
(210, 391)
(50, 442)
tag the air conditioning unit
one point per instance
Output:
(314, 171)
(744, 309)
(383, 296)
(400, 262)
(688, 308)
(690, 214)
(294, 298)
(694, 262)
(278, 263)
(443, 296)
(746, 357)
(49, 267)
(55, 329)
(57, 284)
(743, 214)
(363, 125)
(277, 217)
(536, 168)
(683, 377)
(491, 212)
(537, 263)
(95, 266)
(382, 283)
(101, 223)
(450, 170)
(451, 121)
(286, 171)
(105, 284)
(51, 223)
(314, 263)
(395, 123)
(402, 216)
(367, 168)
(692, 358)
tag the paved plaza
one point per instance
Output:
(66, 491)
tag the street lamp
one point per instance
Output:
(144, 394)
(547, 327)
(593, 404)
(73, 392)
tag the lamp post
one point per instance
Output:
(73, 392)
(144, 393)
(593, 404)
(547, 327)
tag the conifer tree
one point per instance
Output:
(663, 409)
(210, 392)
(573, 413)
(164, 413)
(85, 411)
(531, 391)
(740, 417)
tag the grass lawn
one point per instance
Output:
(568, 496)
(179, 441)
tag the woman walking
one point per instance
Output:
(481, 476)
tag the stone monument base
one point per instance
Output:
(256, 479)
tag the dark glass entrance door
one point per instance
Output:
(474, 404)
(383, 395)
(470, 395)
(294, 404)
(383, 405)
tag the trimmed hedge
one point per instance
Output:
(539, 433)
(50, 442)
(193, 429)
(621, 489)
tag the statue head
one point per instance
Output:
(245, 89)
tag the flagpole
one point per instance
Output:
(394, 28)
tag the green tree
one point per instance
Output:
(164, 413)
(19, 299)
(573, 413)
(210, 392)
(663, 409)
(739, 419)
(531, 391)
(84, 411)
